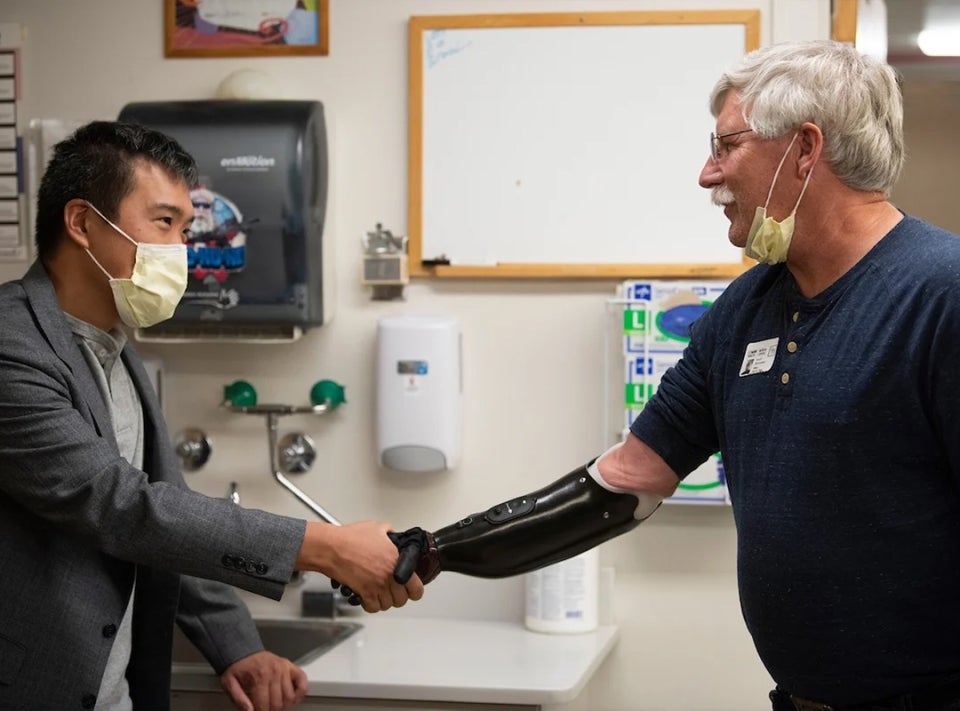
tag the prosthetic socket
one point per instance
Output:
(569, 516)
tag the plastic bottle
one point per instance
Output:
(562, 598)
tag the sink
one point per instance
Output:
(299, 640)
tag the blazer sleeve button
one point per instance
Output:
(262, 569)
(109, 630)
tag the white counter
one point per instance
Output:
(448, 660)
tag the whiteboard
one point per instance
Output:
(568, 144)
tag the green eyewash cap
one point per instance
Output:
(327, 391)
(240, 393)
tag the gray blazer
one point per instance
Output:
(77, 523)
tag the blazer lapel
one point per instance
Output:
(53, 326)
(158, 457)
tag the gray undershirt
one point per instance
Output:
(102, 353)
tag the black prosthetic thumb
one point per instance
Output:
(417, 553)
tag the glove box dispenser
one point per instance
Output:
(256, 257)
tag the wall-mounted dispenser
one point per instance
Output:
(259, 268)
(385, 263)
(419, 393)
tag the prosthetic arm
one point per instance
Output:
(569, 516)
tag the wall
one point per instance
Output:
(533, 350)
(927, 187)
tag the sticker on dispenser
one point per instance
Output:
(412, 372)
(217, 241)
(412, 367)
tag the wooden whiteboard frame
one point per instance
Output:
(418, 26)
(843, 24)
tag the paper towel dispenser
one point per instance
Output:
(259, 267)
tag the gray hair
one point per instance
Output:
(854, 99)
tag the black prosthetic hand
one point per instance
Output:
(559, 521)
(347, 592)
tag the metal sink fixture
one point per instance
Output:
(299, 640)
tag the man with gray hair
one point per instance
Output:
(840, 440)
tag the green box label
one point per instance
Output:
(637, 394)
(634, 322)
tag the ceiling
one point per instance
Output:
(905, 19)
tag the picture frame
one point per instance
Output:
(245, 28)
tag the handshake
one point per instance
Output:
(418, 554)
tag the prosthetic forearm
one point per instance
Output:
(569, 516)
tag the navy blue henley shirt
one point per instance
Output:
(838, 418)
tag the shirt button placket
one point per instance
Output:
(784, 394)
(791, 348)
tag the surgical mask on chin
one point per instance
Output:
(159, 278)
(768, 241)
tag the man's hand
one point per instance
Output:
(361, 557)
(264, 682)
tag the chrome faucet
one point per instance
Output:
(326, 396)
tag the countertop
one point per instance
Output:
(447, 660)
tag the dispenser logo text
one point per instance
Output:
(248, 163)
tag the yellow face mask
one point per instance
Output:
(768, 241)
(156, 286)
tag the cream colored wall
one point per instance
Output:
(928, 185)
(533, 350)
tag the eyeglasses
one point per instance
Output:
(718, 148)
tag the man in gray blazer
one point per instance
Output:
(102, 545)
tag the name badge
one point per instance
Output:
(759, 357)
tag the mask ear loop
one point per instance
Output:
(773, 183)
(104, 218)
(802, 191)
(99, 265)
(777, 175)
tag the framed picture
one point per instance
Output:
(245, 28)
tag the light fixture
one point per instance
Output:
(940, 36)
(941, 41)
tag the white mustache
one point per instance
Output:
(721, 196)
